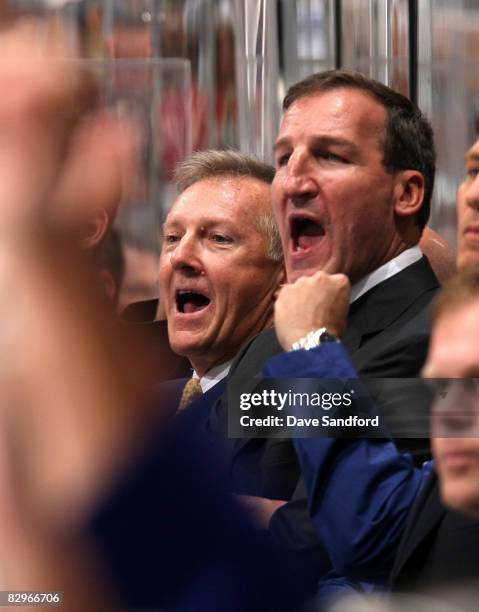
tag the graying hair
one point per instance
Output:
(209, 164)
(203, 165)
(267, 226)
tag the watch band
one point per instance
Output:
(313, 339)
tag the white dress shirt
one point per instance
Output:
(214, 375)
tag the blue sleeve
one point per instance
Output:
(359, 493)
(329, 360)
(359, 490)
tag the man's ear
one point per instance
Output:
(408, 193)
(95, 228)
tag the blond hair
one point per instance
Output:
(209, 164)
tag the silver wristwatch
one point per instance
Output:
(313, 339)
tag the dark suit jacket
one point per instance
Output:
(439, 547)
(387, 335)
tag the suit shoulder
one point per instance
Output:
(250, 359)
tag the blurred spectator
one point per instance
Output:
(434, 534)
(455, 419)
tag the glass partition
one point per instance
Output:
(375, 40)
(308, 38)
(257, 76)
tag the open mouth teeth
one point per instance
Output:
(191, 301)
(305, 232)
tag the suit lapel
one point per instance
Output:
(259, 350)
(383, 304)
(352, 335)
(236, 444)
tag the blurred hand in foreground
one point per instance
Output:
(69, 414)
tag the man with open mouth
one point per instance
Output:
(355, 165)
(221, 261)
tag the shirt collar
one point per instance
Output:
(213, 376)
(390, 268)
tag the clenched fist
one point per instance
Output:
(312, 302)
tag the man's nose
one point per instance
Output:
(299, 181)
(472, 193)
(186, 255)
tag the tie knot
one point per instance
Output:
(191, 391)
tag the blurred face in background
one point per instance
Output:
(454, 354)
(217, 281)
(468, 210)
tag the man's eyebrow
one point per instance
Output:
(319, 141)
(282, 142)
(334, 140)
(167, 224)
